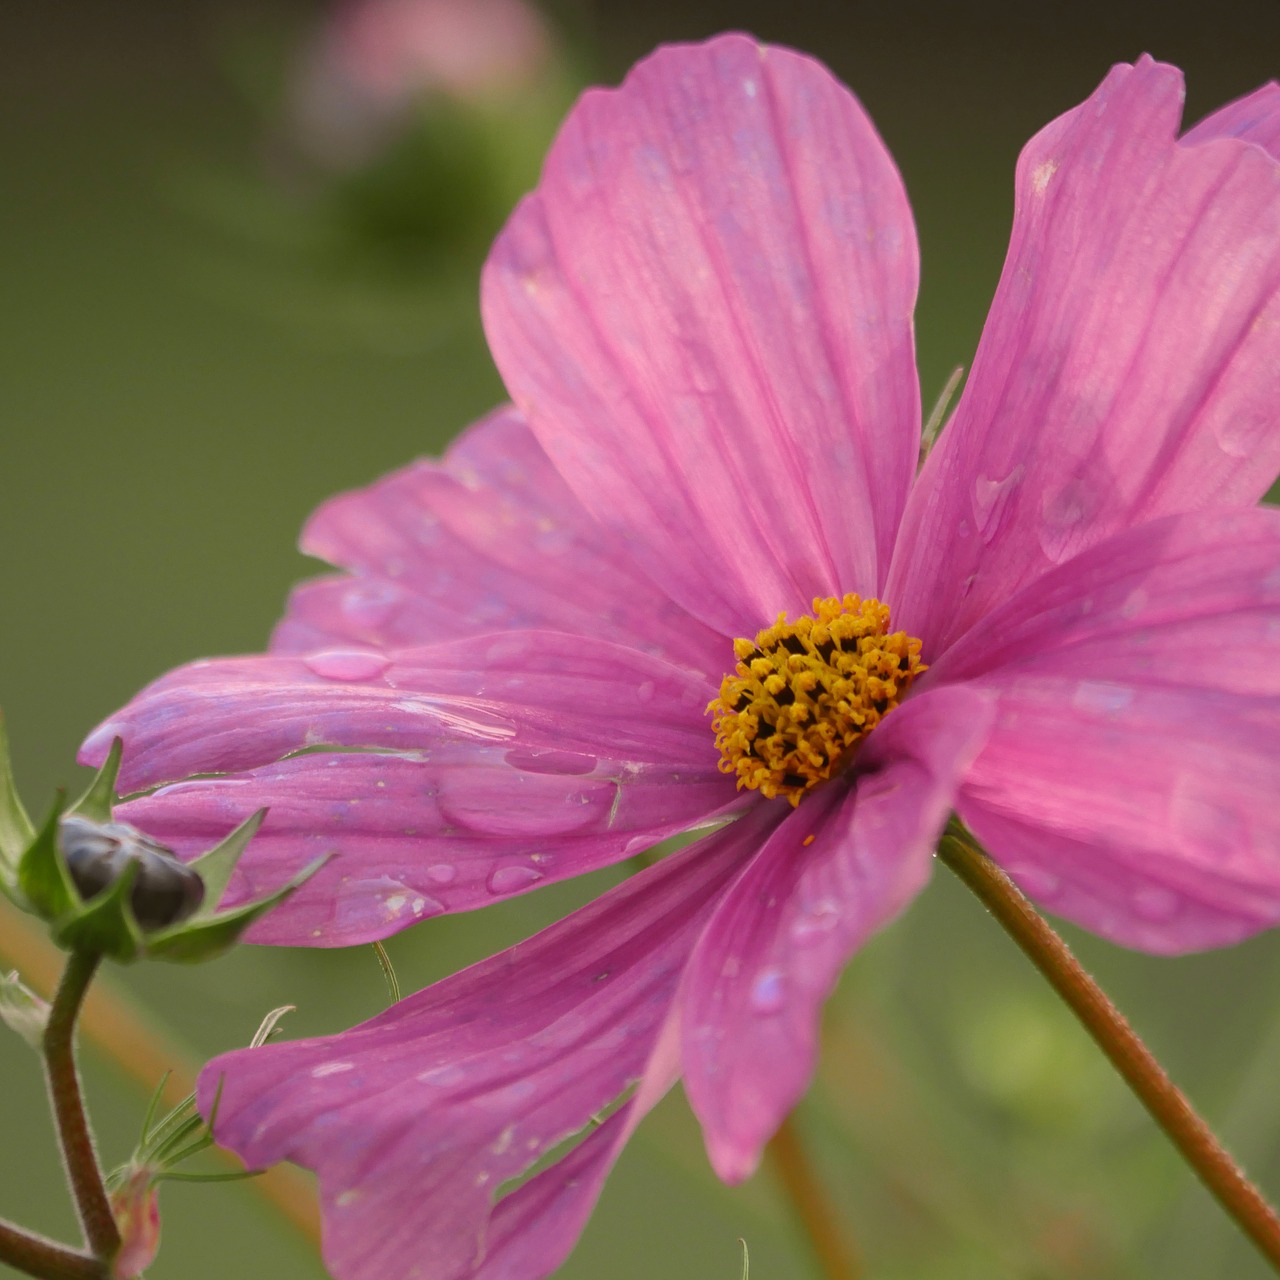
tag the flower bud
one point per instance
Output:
(164, 891)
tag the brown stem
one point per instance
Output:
(33, 1255)
(811, 1206)
(76, 1141)
(1130, 1057)
(114, 1025)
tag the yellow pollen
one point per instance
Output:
(805, 693)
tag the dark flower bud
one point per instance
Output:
(97, 854)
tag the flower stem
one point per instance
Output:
(33, 1255)
(78, 1153)
(1130, 1057)
(115, 1027)
(811, 1206)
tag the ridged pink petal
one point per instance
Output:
(1253, 118)
(1130, 781)
(1130, 365)
(705, 313)
(489, 539)
(420, 834)
(415, 1120)
(844, 864)
(524, 690)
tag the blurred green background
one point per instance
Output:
(209, 325)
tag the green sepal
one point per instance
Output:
(104, 925)
(97, 800)
(23, 1011)
(16, 831)
(204, 936)
(43, 878)
(215, 867)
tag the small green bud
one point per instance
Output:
(107, 888)
(164, 891)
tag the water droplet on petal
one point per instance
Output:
(512, 879)
(371, 604)
(331, 1069)
(1156, 903)
(533, 760)
(442, 873)
(444, 1075)
(769, 991)
(991, 499)
(645, 691)
(817, 919)
(1035, 881)
(347, 664)
(1101, 697)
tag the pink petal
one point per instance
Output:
(1254, 118)
(843, 865)
(489, 539)
(705, 313)
(1130, 366)
(1129, 782)
(519, 691)
(418, 835)
(415, 1120)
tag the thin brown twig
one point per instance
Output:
(1168, 1106)
(114, 1026)
(809, 1202)
(35, 1255)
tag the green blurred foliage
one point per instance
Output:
(193, 357)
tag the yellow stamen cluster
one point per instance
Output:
(804, 694)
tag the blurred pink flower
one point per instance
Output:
(704, 317)
(374, 60)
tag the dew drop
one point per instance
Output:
(512, 879)
(818, 919)
(347, 664)
(331, 1069)
(645, 691)
(371, 604)
(991, 499)
(1101, 696)
(1156, 903)
(1035, 881)
(769, 991)
(442, 873)
(444, 1075)
(532, 760)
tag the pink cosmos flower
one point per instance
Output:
(704, 317)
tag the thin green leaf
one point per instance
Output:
(152, 1107)
(266, 1029)
(16, 831)
(97, 801)
(934, 424)
(23, 1011)
(216, 866)
(388, 972)
(237, 1176)
(42, 875)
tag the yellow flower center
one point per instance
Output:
(805, 693)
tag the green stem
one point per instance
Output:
(1166, 1103)
(33, 1255)
(79, 1156)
